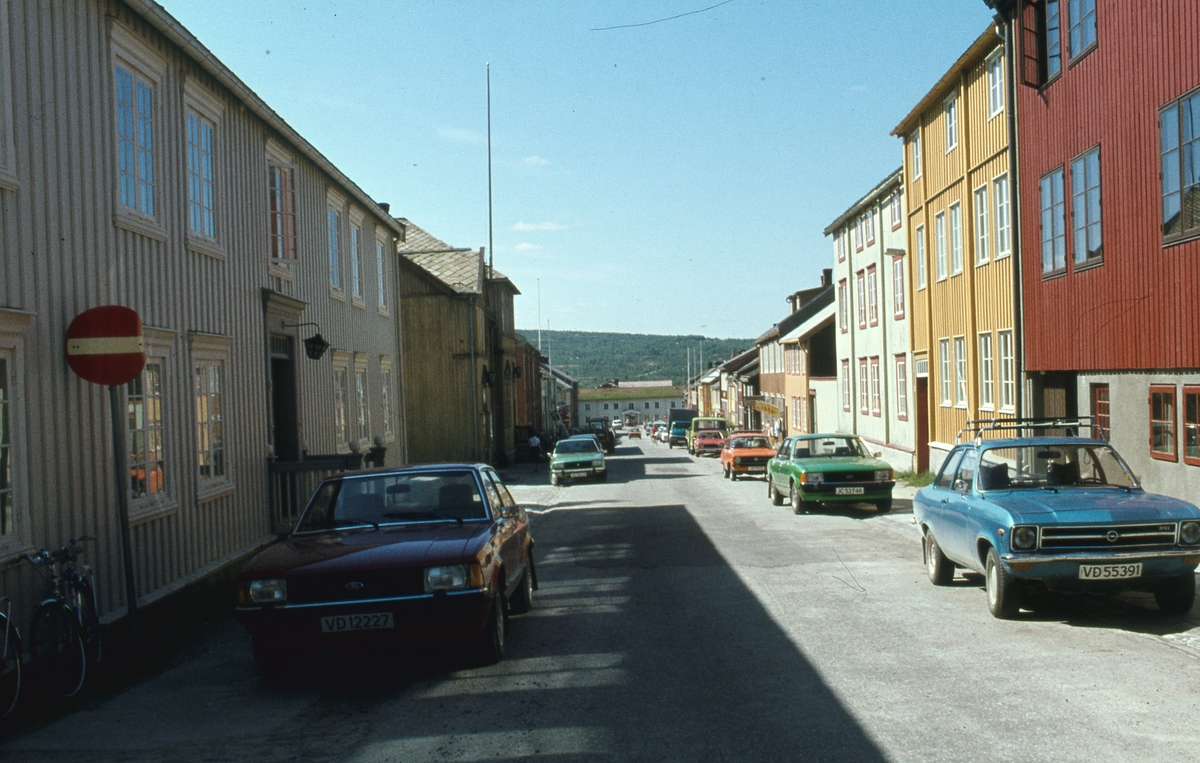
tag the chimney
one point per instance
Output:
(826, 277)
(386, 207)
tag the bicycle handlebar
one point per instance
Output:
(67, 552)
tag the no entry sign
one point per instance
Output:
(104, 345)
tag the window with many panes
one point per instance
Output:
(334, 226)
(872, 296)
(1191, 425)
(281, 210)
(1101, 419)
(939, 227)
(210, 420)
(902, 387)
(1162, 422)
(897, 210)
(362, 407)
(862, 299)
(1085, 208)
(986, 377)
(869, 224)
(845, 385)
(1053, 223)
(898, 287)
(864, 401)
(1001, 216)
(914, 140)
(920, 239)
(144, 410)
(843, 307)
(995, 81)
(341, 405)
(956, 257)
(381, 249)
(1180, 171)
(356, 276)
(1081, 32)
(950, 114)
(944, 366)
(385, 395)
(1051, 40)
(876, 405)
(981, 225)
(1008, 371)
(135, 138)
(960, 371)
(201, 217)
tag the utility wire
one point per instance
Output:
(658, 21)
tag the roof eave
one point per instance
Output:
(983, 45)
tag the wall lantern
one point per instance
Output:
(315, 346)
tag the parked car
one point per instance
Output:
(635, 434)
(1058, 513)
(828, 468)
(388, 557)
(600, 427)
(708, 442)
(661, 431)
(678, 434)
(704, 423)
(575, 458)
(745, 453)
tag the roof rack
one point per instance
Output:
(975, 428)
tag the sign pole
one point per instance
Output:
(120, 454)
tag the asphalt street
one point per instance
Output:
(682, 617)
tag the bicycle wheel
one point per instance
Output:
(10, 669)
(56, 647)
(85, 607)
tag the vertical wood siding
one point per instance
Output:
(63, 254)
(1138, 309)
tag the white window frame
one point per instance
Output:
(14, 327)
(950, 115)
(872, 296)
(362, 402)
(876, 397)
(1008, 398)
(897, 209)
(355, 216)
(383, 245)
(158, 345)
(146, 67)
(939, 225)
(386, 397)
(341, 400)
(995, 78)
(960, 372)
(897, 287)
(946, 385)
(922, 276)
(845, 384)
(864, 402)
(982, 253)
(860, 279)
(207, 351)
(901, 365)
(282, 221)
(956, 244)
(915, 141)
(843, 305)
(987, 378)
(869, 224)
(335, 205)
(1002, 214)
(206, 109)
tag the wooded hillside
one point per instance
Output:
(595, 357)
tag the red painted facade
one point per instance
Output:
(1139, 308)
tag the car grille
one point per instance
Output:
(754, 460)
(375, 584)
(842, 477)
(1108, 536)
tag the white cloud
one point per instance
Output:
(535, 160)
(538, 226)
(460, 135)
(525, 246)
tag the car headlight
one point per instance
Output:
(1189, 533)
(446, 578)
(812, 478)
(737, 459)
(883, 475)
(597, 464)
(1025, 538)
(273, 591)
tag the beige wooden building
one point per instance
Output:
(960, 241)
(135, 169)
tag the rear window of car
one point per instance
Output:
(396, 498)
(750, 442)
(577, 446)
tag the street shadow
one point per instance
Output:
(643, 645)
(862, 511)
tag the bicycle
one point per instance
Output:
(10, 661)
(65, 633)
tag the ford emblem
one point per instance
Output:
(356, 585)
(1112, 536)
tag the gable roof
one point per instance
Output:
(884, 189)
(810, 308)
(461, 269)
(983, 46)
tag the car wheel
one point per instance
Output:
(1176, 596)
(799, 505)
(775, 495)
(725, 471)
(491, 641)
(522, 599)
(939, 568)
(602, 477)
(272, 664)
(733, 476)
(883, 506)
(1004, 596)
(553, 479)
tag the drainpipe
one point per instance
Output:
(883, 326)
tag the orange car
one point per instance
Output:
(746, 453)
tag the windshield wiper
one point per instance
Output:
(341, 522)
(430, 514)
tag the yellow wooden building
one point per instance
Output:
(962, 240)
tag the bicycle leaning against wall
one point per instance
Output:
(65, 634)
(10, 659)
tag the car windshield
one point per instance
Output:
(393, 499)
(710, 435)
(824, 447)
(577, 446)
(750, 442)
(1053, 466)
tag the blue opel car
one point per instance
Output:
(1061, 513)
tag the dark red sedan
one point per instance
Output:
(390, 556)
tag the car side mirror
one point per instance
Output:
(283, 528)
(510, 512)
(961, 486)
(878, 454)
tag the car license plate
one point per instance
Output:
(756, 468)
(848, 491)
(578, 473)
(372, 621)
(1109, 571)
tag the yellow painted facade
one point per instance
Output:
(960, 197)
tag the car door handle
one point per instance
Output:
(945, 500)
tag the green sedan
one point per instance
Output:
(828, 468)
(576, 458)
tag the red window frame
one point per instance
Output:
(1162, 414)
(846, 385)
(861, 282)
(876, 388)
(902, 387)
(872, 296)
(843, 307)
(1101, 419)
(898, 287)
(864, 400)
(1191, 425)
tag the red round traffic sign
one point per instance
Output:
(104, 345)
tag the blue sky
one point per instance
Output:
(671, 178)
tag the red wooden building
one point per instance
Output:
(1108, 131)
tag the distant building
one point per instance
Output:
(630, 404)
